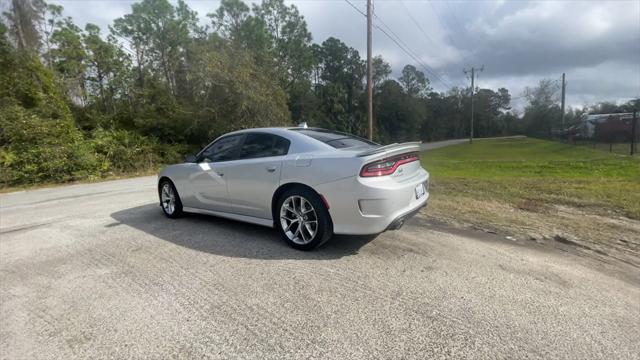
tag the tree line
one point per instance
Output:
(80, 101)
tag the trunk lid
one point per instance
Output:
(390, 150)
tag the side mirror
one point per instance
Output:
(190, 159)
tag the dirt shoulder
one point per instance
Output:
(610, 238)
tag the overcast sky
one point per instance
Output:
(596, 43)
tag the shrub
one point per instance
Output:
(35, 149)
(39, 140)
(123, 151)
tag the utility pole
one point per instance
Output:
(473, 90)
(564, 90)
(369, 70)
(633, 131)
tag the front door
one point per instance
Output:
(208, 179)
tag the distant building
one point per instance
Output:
(604, 126)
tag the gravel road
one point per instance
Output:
(96, 271)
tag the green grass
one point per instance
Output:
(535, 174)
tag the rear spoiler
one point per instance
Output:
(395, 147)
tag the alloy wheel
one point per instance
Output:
(168, 199)
(298, 220)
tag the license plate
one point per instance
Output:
(420, 191)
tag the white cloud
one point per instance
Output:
(564, 23)
(101, 13)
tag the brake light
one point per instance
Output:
(387, 166)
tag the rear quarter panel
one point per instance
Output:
(318, 168)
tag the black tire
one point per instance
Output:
(324, 230)
(177, 208)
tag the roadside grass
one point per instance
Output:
(540, 190)
(127, 175)
(617, 148)
(537, 173)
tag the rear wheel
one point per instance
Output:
(170, 200)
(304, 221)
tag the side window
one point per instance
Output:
(263, 145)
(223, 149)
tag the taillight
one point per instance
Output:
(387, 166)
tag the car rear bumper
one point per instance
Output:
(360, 206)
(400, 220)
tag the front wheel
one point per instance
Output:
(303, 219)
(170, 200)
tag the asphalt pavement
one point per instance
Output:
(96, 271)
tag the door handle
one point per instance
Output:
(221, 174)
(271, 168)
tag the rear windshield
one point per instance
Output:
(336, 139)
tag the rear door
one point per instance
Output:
(255, 175)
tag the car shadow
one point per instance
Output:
(230, 238)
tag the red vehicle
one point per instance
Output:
(613, 127)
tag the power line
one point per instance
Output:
(417, 23)
(123, 46)
(419, 63)
(447, 30)
(453, 15)
(407, 50)
(398, 42)
(356, 8)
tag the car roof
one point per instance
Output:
(272, 130)
(286, 131)
(267, 129)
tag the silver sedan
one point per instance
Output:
(308, 183)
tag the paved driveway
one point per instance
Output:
(96, 271)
